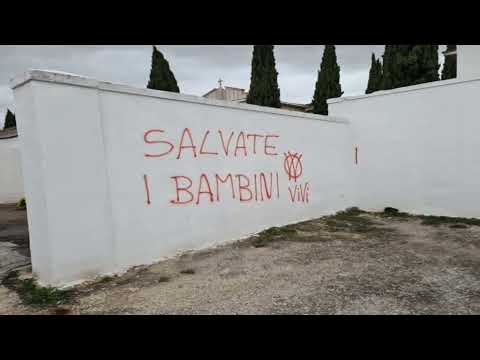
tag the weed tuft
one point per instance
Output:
(349, 220)
(22, 204)
(33, 294)
(106, 279)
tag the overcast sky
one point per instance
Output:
(197, 68)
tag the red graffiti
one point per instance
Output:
(293, 165)
(214, 188)
(259, 187)
(179, 190)
(254, 141)
(147, 189)
(225, 148)
(218, 179)
(204, 180)
(203, 144)
(270, 146)
(300, 193)
(148, 141)
(212, 144)
(182, 146)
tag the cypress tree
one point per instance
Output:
(264, 90)
(10, 120)
(328, 81)
(427, 66)
(405, 65)
(449, 70)
(388, 67)
(375, 76)
(161, 77)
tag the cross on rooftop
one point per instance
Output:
(220, 81)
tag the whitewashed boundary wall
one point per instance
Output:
(117, 176)
(418, 147)
(468, 60)
(11, 181)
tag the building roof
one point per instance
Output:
(224, 88)
(8, 133)
(243, 98)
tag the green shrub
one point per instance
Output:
(22, 203)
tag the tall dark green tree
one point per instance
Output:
(328, 81)
(405, 65)
(264, 90)
(398, 66)
(161, 77)
(449, 70)
(10, 120)
(375, 76)
(427, 66)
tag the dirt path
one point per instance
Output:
(352, 264)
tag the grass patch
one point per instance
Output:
(349, 220)
(270, 234)
(445, 220)
(106, 279)
(430, 220)
(32, 294)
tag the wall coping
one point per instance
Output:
(403, 89)
(78, 80)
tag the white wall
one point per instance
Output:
(418, 147)
(468, 60)
(11, 181)
(83, 156)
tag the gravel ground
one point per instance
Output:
(362, 264)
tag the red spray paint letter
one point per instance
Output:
(203, 144)
(191, 146)
(225, 149)
(254, 141)
(148, 141)
(218, 179)
(147, 188)
(244, 187)
(270, 146)
(204, 179)
(241, 135)
(182, 189)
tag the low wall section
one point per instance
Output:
(418, 147)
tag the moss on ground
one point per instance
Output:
(430, 220)
(350, 220)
